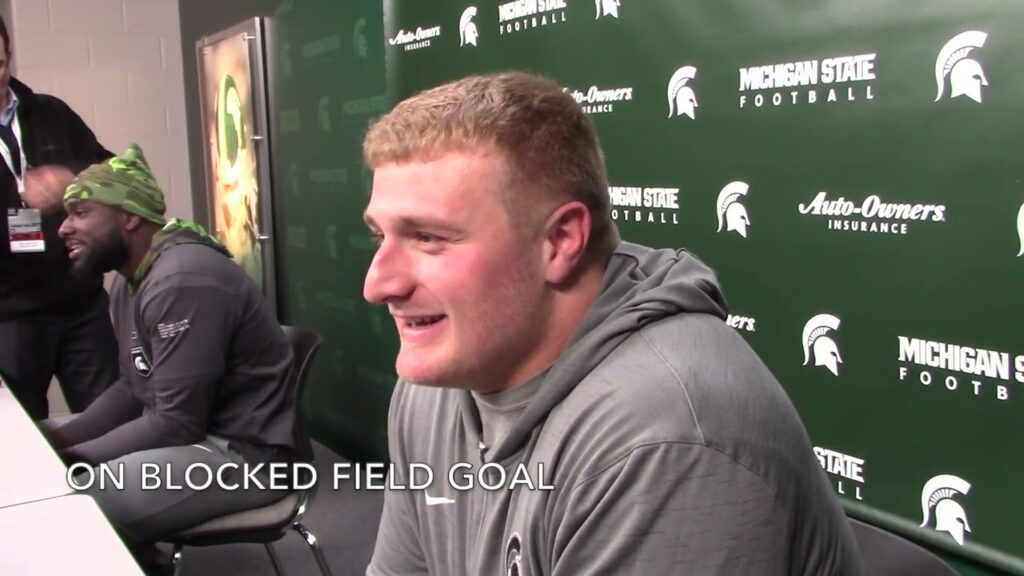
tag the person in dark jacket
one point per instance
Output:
(207, 378)
(52, 322)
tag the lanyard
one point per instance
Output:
(19, 178)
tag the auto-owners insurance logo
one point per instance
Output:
(415, 39)
(600, 99)
(873, 215)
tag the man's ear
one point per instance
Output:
(130, 221)
(566, 237)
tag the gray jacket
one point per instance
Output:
(669, 448)
(206, 357)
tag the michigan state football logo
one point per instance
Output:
(513, 552)
(140, 362)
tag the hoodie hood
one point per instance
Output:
(641, 286)
(174, 233)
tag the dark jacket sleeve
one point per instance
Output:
(86, 147)
(188, 321)
(80, 148)
(114, 407)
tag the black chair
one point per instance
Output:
(888, 554)
(268, 524)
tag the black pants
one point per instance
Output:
(78, 347)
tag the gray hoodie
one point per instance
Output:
(201, 354)
(657, 443)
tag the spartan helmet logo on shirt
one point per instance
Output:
(513, 555)
(817, 343)
(1020, 229)
(140, 362)
(965, 74)
(682, 101)
(467, 28)
(606, 8)
(730, 212)
(950, 517)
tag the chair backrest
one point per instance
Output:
(305, 344)
(886, 553)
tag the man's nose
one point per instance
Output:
(65, 229)
(389, 277)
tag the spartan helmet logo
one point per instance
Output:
(231, 135)
(1020, 229)
(293, 178)
(815, 341)
(730, 211)
(606, 8)
(467, 28)
(359, 39)
(140, 362)
(286, 59)
(323, 114)
(300, 294)
(965, 74)
(331, 240)
(681, 99)
(950, 517)
(513, 555)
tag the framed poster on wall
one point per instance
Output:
(232, 81)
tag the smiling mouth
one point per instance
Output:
(74, 249)
(423, 321)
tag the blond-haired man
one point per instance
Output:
(587, 389)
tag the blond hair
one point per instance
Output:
(550, 144)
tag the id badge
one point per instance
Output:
(25, 230)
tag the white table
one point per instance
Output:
(64, 535)
(31, 470)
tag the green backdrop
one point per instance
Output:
(326, 77)
(852, 170)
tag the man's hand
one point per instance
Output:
(44, 187)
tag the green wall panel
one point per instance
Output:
(949, 279)
(326, 68)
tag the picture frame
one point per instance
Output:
(231, 65)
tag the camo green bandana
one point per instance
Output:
(124, 182)
(173, 233)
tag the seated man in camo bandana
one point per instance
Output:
(206, 371)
